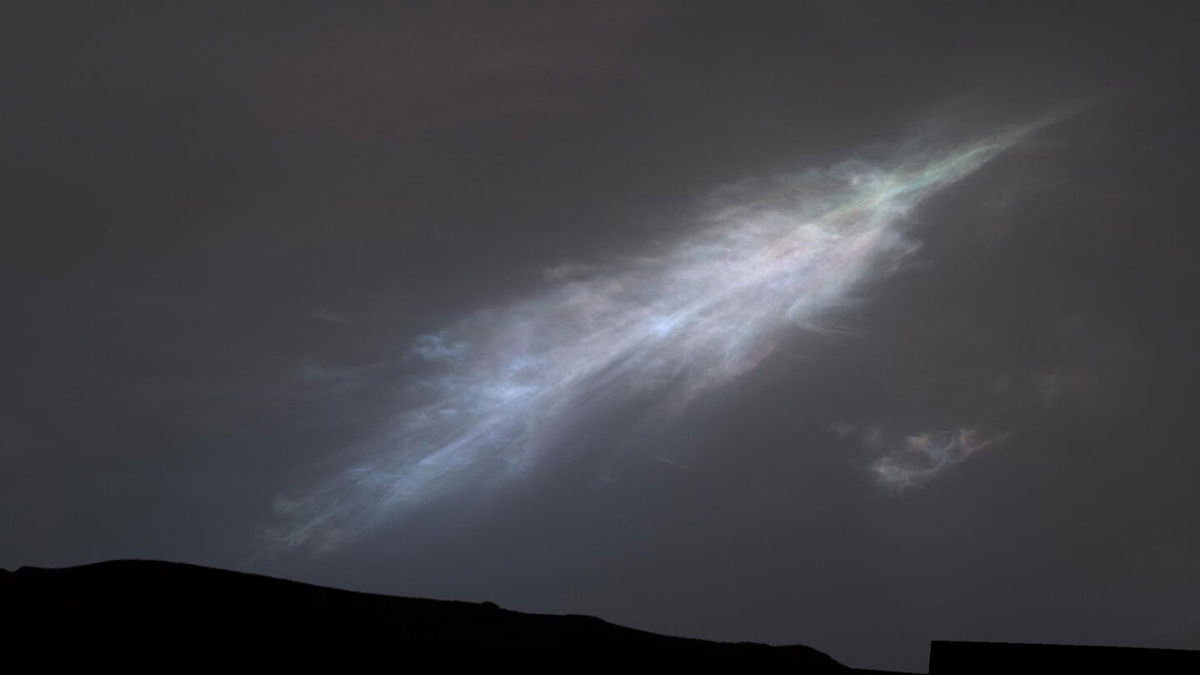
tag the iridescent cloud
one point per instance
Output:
(922, 457)
(660, 330)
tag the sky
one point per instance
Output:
(847, 324)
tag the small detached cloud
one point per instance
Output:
(569, 272)
(922, 457)
(436, 347)
(328, 315)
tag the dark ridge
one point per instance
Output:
(985, 658)
(172, 616)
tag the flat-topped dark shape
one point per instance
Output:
(984, 658)
(176, 616)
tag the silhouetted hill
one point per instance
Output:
(988, 658)
(173, 616)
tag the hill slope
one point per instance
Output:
(179, 616)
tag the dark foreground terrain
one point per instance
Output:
(171, 617)
(988, 658)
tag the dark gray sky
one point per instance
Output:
(225, 225)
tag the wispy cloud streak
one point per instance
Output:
(664, 329)
(924, 456)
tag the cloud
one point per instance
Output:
(922, 457)
(652, 334)
(328, 316)
(437, 347)
(569, 271)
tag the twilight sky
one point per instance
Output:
(850, 324)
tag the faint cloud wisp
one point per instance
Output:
(924, 456)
